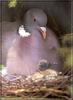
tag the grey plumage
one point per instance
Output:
(26, 52)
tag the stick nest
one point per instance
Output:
(40, 84)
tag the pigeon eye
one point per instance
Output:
(34, 19)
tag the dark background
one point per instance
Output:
(59, 12)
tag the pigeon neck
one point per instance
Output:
(30, 28)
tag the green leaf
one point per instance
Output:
(12, 3)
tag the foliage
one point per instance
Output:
(67, 39)
(70, 89)
(69, 60)
(66, 51)
(1, 66)
(12, 3)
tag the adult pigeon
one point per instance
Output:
(36, 43)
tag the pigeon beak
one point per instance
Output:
(43, 31)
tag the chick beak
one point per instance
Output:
(43, 31)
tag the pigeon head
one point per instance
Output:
(35, 19)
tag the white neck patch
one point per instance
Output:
(22, 32)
